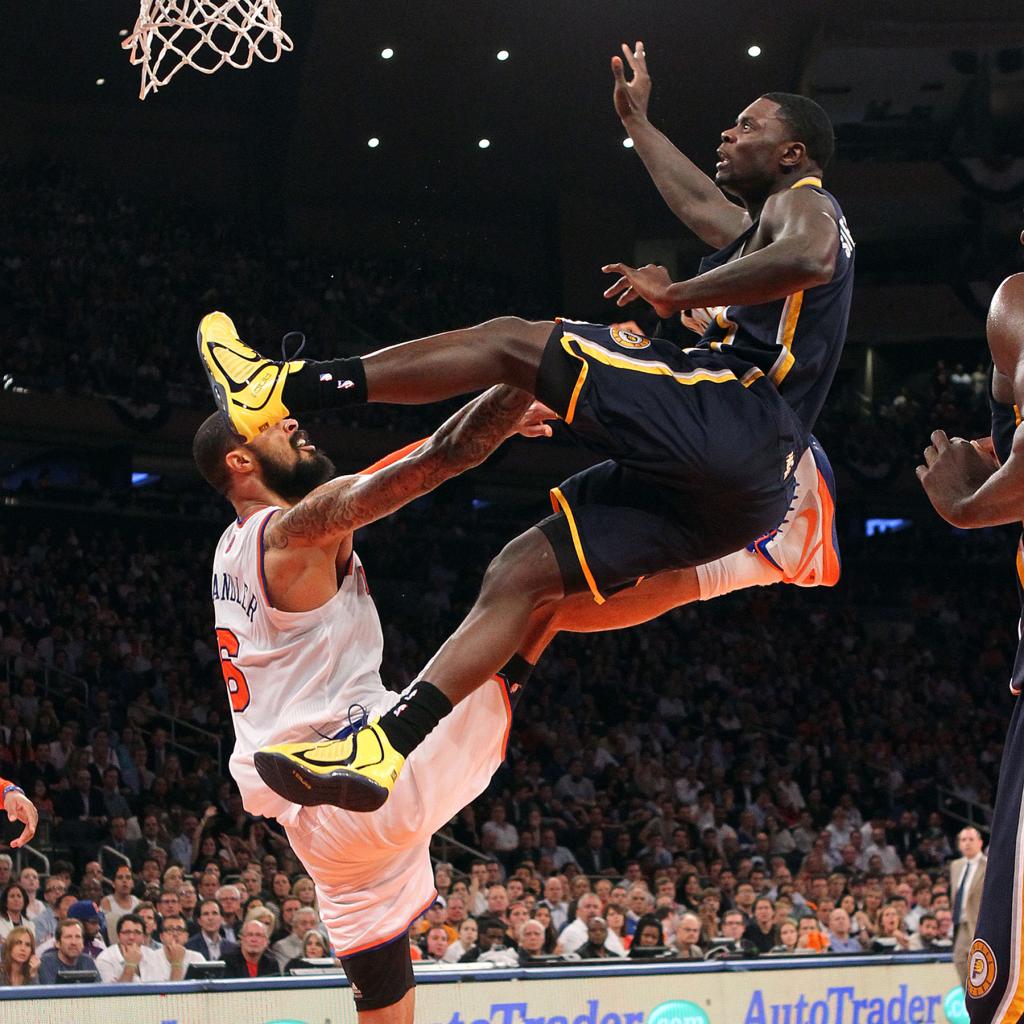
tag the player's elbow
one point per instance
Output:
(816, 268)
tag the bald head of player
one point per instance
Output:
(279, 466)
(780, 136)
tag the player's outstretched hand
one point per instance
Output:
(953, 470)
(650, 283)
(535, 421)
(20, 808)
(631, 98)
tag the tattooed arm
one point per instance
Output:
(335, 509)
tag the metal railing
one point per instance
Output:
(54, 678)
(51, 677)
(117, 854)
(32, 851)
(964, 810)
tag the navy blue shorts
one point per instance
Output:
(700, 460)
(995, 977)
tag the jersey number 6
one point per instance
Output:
(238, 688)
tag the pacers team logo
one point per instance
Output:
(981, 969)
(627, 339)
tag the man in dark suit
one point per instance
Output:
(966, 881)
(83, 815)
(252, 959)
(210, 940)
(595, 858)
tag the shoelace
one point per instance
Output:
(285, 357)
(355, 723)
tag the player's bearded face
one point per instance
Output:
(296, 473)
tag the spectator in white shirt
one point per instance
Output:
(129, 960)
(504, 835)
(171, 963)
(576, 934)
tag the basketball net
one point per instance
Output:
(205, 35)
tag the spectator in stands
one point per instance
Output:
(944, 921)
(575, 784)
(19, 964)
(499, 834)
(210, 941)
(288, 906)
(67, 953)
(13, 901)
(46, 923)
(595, 858)
(171, 963)
(252, 959)
(468, 933)
(812, 937)
(303, 889)
(648, 934)
(596, 946)
(129, 959)
(839, 938)
(687, 938)
(788, 936)
(230, 900)
(121, 901)
(555, 901)
(436, 944)
(147, 911)
(304, 919)
(761, 933)
(926, 938)
(532, 942)
(314, 947)
(890, 937)
(575, 934)
(490, 934)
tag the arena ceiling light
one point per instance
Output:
(373, 143)
(502, 55)
(627, 142)
(387, 53)
(484, 143)
(754, 50)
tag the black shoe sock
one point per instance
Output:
(325, 385)
(515, 675)
(413, 718)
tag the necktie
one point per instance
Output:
(958, 903)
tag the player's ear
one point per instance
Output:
(793, 154)
(240, 461)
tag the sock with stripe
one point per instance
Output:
(329, 384)
(415, 716)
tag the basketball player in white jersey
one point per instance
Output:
(300, 647)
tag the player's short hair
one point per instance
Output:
(213, 440)
(809, 124)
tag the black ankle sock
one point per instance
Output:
(325, 385)
(515, 674)
(412, 719)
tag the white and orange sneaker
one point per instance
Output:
(805, 546)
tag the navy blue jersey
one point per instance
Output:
(1005, 420)
(795, 341)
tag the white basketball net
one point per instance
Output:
(205, 35)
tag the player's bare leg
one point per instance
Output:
(397, 1013)
(506, 350)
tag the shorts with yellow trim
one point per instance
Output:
(995, 955)
(700, 457)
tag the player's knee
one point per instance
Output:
(518, 342)
(522, 573)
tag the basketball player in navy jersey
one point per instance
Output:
(701, 444)
(971, 486)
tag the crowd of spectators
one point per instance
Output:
(767, 774)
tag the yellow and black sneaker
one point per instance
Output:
(247, 386)
(355, 772)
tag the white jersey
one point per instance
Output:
(291, 676)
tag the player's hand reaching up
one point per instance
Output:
(534, 422)
(953, 471)
(631, 98)
(650, 283)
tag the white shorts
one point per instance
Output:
(372, 871)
